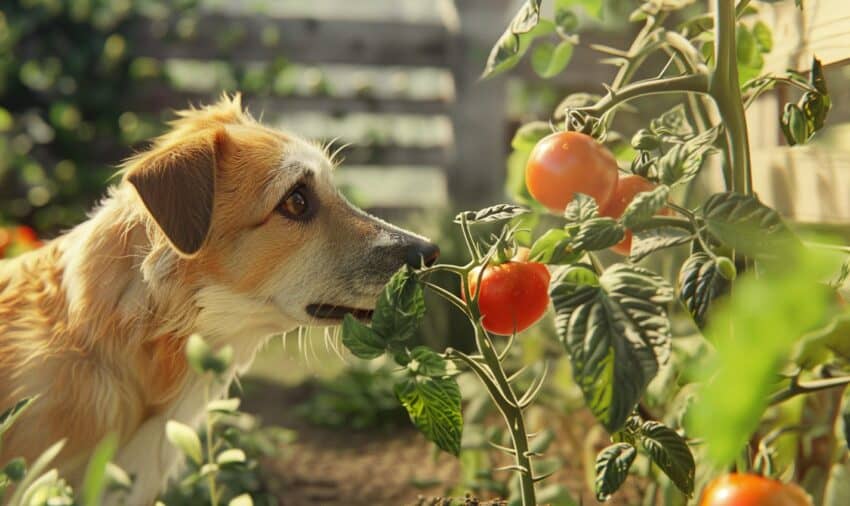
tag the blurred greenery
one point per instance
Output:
(66, 77)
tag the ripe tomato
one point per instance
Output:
(5, 241)
(627, 188)
(514, 294)
(565, 163)
(26, 235)
(752, 490)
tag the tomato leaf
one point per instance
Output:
(400, 308)
(699, 284)
(7, 419)
(517, 38)
(617, 334)
(670, 452)
(581, 208)
(361, 341)
(499, 212)
(426, 362)
(612, 468)
(527, 136)
(644, 206)
(673, 123)
(645, 242)
(549, 60)
(681, 163)
(575, 101)
(763, 36)
(743, 223)
(553, 248)
(434, 407)
(597, 233)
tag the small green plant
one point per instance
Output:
(223, 457)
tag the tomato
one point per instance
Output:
(627, 188)
(565, 163)
(514, 294)
(752, 490)
(26, 235)
(5, 241)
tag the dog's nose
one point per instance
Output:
(421, 252)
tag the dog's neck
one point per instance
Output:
(127, 289)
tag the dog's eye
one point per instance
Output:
(295, 205)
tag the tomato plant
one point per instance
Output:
(735, 336)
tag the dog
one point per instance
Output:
(223, 227)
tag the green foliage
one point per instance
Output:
(434, 407)
(616, 333)
(753, 333)
(612, 468)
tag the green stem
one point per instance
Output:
(512, 413)
(725, 90)
(664, 221)
(797, 388)
(693, 83)
(209, 429)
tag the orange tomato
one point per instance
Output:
(627, 188)
(565, 163)
(514, 294)
(752, 490)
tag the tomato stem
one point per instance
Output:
(689, 83)
(726, 91)
(467, 237)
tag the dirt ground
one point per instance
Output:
(394, 468)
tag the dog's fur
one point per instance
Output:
(191, 240)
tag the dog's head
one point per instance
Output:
(256, 210)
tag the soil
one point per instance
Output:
(396, 467)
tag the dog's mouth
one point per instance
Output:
(335, 312)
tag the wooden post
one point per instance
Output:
(477, 160)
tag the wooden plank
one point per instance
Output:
(252, 38)
(156, 97)
(821, 28)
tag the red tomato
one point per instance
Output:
(514, 294)
(752, 490)
(5, 241)
(627, 188)
(565, 163)
(26, 235)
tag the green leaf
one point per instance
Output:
(673, 123)
(7, 419)
(35, 472)
(549, 60)
(748, 49)
(612, 468)
(515, 41)
(528, 135)
(763, 36)
(592, 7)
(400, 308)
(700, 283)
(670, 452)
(553, 248)
(360, 340)
(426, 362)
(499, 212)
(241, 500)
(644, 206)
(224, 405)
(681, 163)
(743, 223)
(817, 347)
(184, 439)
(95, 480)
(753, 333)
(597, 234)
(581, 208)
(117, 478)
(230, 456)
(434, 407)
(617, 334)
(15, 469)
(575, 101)
(645, 242)
(203, 359)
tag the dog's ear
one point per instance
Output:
(177, 187)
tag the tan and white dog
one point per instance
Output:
(223, 227)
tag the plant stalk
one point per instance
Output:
(725, 90)
(209, 428)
